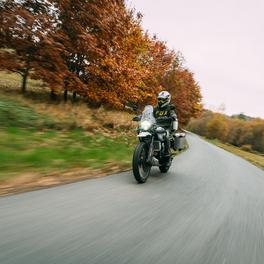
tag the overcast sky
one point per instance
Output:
(222, 42)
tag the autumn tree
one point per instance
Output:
(257, 141)
(118, 38)
(247, 133)
(185, 92)
(133, 70)
(217, 128)
(29, 44)
(95, 48)
(79, 24)
(131, 61)
(199, 125)
(157, 61)
(240, 132)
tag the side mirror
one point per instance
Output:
(131, 107)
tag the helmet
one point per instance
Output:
(164, 98)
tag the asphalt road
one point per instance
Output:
(209, 209)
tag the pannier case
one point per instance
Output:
(180, 141)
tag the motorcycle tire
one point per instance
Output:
(141, 170)
(165, 167)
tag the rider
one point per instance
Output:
(165, 115)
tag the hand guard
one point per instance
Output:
(136, 118)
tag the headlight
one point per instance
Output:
(145, 125)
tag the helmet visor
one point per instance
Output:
(162, 101)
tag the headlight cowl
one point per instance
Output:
(145, 125)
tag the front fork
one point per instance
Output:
(151, 151)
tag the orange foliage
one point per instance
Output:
(246, 133)
(97, 49)
(27, 28)
(185, 93)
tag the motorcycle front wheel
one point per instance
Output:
(141, 169)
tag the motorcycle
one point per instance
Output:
(152, 149)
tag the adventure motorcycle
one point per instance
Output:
(153, 147)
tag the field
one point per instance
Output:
(43, 143)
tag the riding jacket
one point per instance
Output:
(166, 117)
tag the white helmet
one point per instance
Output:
(164, 98)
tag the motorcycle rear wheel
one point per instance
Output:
(165, 166)
(141, 169)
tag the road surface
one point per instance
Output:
(209, 209)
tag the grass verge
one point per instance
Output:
(39, 150)
(32, 159)
(256, 159)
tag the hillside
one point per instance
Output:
(49, 143)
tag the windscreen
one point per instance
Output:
(148, 114)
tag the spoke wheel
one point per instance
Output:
(141, 169)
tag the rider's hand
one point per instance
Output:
(136, 118)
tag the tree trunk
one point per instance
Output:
(24, 81)
(53, 96)
(74, 95)
(65, 95)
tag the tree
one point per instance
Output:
(133, 63)
(258, 135)
(185, 92)
(96, 48)
(199, 125)
(79, 22)
(27, 30)
(114, 77)
(217, 128)
(157, 60)
(245, 133)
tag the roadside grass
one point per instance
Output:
(70, 114)
(24, 150)
(12, 81)
(256, 159)
(15, 114)
(43, 143)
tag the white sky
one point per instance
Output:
(222, 42)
